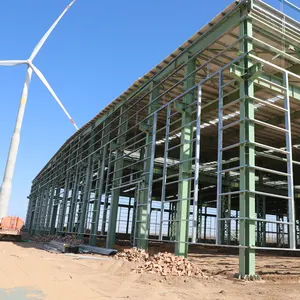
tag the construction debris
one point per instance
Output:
(133, 254)
(70, 240)
(163, 264)
(97, 250)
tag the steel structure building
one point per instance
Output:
(202, 149)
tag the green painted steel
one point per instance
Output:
(118, 167)
(86, 197)
(73, 202)
(63, 205)
(51, 200)
(142, 217)
(100, 184)
(247, 157)
(185, 167)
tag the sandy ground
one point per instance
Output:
(29, 273)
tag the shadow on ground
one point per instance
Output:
(21, 294)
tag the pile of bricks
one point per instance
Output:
(133, 254)
(71, 240)
(163, 264)
(167, 264)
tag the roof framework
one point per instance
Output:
(214, 127)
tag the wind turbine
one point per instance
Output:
(12, 156)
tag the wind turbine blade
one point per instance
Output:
(10, 63)
(44, 38)
(47, 85)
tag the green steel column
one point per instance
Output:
(226, 212)
(117, 180)
(39, 209)
(128, 215)
(87, 185)
(134, 216)
(185, 167)
(29, 211)
(100, 183)
(54, 210)
(86, 197)
(63, 205)
(107, 192)
(73, 200)
(247, 158)
(172, 226)
(144, 199)
(205, 224)
(199, 223)
(261, 214)
(43, 210)
(49, 211)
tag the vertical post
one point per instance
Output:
(247, 158)
(199, 220)
(41, 208)
(38, 207)
(165, 172)
(97, 203)
(290, 179)
(220, 160)
(134, 215)
(185, 167)
(128, 215)
(45, 201)
(197, 166)
(226, 211)
(29, 210)
(106, 194)
(144, 205)
(54, 210)
(63, 204)
(261, 214)
(86, 196)
(73, 201)
(50, 206)
(117, 178)
(172, 227)
(229, 221)
(236, 227)
(205, 224)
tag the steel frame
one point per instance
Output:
(193, 151)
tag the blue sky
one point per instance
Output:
(97, 51)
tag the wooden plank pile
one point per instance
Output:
(163, 264)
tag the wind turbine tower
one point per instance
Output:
(6, 187)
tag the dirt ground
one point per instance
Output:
(30, 273)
